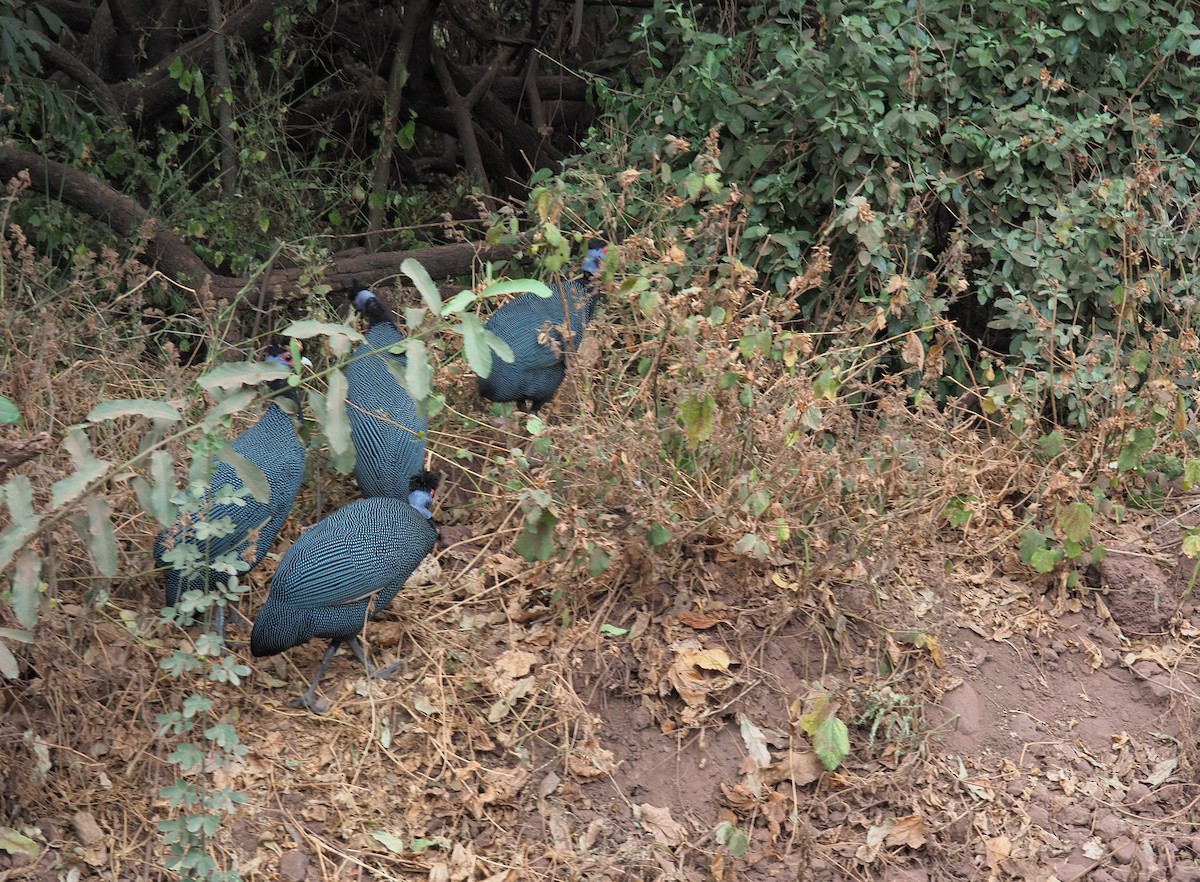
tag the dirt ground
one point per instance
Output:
(1000, 728)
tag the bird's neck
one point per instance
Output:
(283, 392)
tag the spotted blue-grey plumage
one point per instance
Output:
(344, 570)
(532, 327)
(388, 434)
(272, 445)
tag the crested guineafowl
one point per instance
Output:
(342, 571)
(273, 446)
(387, 432)
(532, 327)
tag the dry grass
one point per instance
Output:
(512, 747)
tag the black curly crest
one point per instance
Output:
(424, 480)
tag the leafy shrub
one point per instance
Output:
(1024, 172)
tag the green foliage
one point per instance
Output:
(15, 842)
(830, 737)
(536, 541)
(975, 167)
(732, 838)
(9, 413)
(890, 713)
(958, 510)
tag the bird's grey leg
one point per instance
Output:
(381, 673)
(309, 699)
(357, 649)
(234, 616)
(237, 618)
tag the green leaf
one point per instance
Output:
(1032, 541)
(420, 844)
(88, 470)
(425, 285)
(18, 843)
(18, 493)
(1191, 474)
(26, 588)
(308, 328)
(155, 498)
(414, 317)
(336, 423)
(159, 411)
(9, 414)
(390, 841)
(16, 635)
(831, 742)
(732, 838)
(252, 476)
(1053, 444)
(1045, 559)
(498, 346)
(1191, 543)
(101, 539)
(1076, 521)
(236, 374)
(598, 560)
(657, 536)
(458, 303)
(8, 665)
(518, 286)
(340, 336)
(235, 403)
(648, 302)
(344, 462)
(536, 541)
(417, 372)
(826, 384)
(613, 631)
(697, 415)
(475, 345)
(957, 512)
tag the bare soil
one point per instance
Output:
(1000, 728)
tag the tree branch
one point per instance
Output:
(54, 56)
(416, 15)
(154, 90)
(172, 257)
(462, 122)
(224, 94)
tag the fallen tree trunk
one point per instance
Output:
(169, 254)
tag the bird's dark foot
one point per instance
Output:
(391, 672)
(311, 702)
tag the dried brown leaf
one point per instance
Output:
(665, 829)
(799, 767)
(908, 831)
(515, 663)
(698, 621)
(998, 849)
(588, 759)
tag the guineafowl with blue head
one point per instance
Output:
(342, 572)
(273, 445)
(387, 432)
(532, 327)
